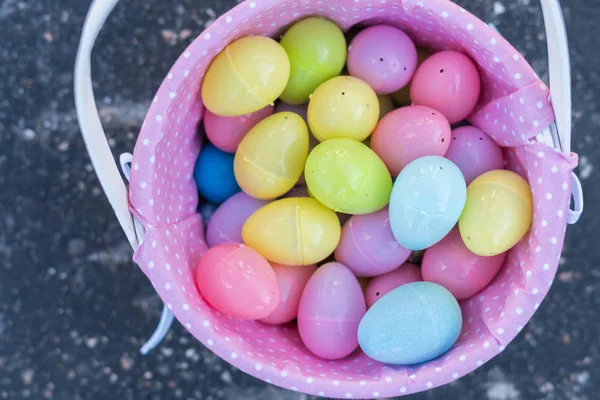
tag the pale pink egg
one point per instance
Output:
(449, 263)
(383, 284)
(291, 281)
(409, 133)
(449, 82)
(237, 281)
(331, 307)
(226, 133)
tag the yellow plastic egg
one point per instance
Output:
(271, 157)
(293, 231)
(343, 107)
(348, 177)
(246, 76)
(497, 214)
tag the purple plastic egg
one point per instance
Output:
(384, 57)
(449, 82)
(474, 152)
(449, 263)
(226, 133)
(383, 284)
(330, 310)
(368, 247)
(226, 223)
(409, 133)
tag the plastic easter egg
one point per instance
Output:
(296, 231)
(449, 263)
(498, 213)
(427, 200)
(474, 152)
(291, 281)
(449, 82)
(384, 57)
(249, 74)
(226, 133)
(368, 247)
(343, 107)
(412, 324)
(271, 157)
(227, 222)
(383, 284)
(330, 310)
(317, 51)
(237, 281)
(348, 177)
(214, 175)
(402, 96)
(409, 133)
(386, 106)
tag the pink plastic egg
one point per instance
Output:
(449, 263)
(449, 82)
(474, 152)
(291, 281)
(368, 247)
(226, 133)
(237, 281)
(331, 307)
(384, 57)
(226, 223)
(383, 284)
(409, 133)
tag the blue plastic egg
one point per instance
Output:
(214, 175)
(427, 200)
(412, 324)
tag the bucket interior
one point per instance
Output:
(513, 108)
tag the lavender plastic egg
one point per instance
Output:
(451, 264)
(331, 308)
(383, 284)
(368, 246)
(227, 221)
(384, 57)
(474, 152)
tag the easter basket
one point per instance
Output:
(158, 211)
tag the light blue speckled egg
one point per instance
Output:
(412, 324)
(427, 200)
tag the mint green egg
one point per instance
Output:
(347, 176)
(317, 51)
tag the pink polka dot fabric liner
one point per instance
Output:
(514, 108)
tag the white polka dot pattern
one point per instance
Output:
(513, 108)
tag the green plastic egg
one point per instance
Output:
(343, 107)
(248, 75)
(317, 51)
(348, 177)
